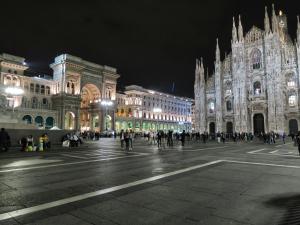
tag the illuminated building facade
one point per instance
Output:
(142, 109)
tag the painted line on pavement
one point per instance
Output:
(21, 212)
(277, 154)
(67, 164)
(255, 151)
(262, 164)
(273, 152)
(73, 156)
(202, 149)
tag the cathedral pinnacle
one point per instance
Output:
(241, 32)
(298, 30)
(274, 20)
(267, 21)
(217, 51)
(234, 32)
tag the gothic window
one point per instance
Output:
(211, 107)
(228, 106)
(257, 88)
(291, 83)
(256, 59)
(292, 100)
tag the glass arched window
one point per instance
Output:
(211, 107)
(34, 102)
(31, 87)
(47, 90)
(256, 59)
(257, 88)
(228, 105)
(292, 100)
(37, 88)
(27, 119)
(43, 89)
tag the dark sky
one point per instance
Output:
(152, 43)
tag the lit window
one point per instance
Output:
(211, 107)
(257, 88)
(292, 100)
(291, 83)
(256, 59)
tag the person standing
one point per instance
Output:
(131, 136)
(183, 138)
(4, 140)
(298, 142)
(159, 139)
(122, 138)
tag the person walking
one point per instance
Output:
(283, 137)
(4, 140)
(170, 139)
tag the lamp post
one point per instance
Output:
(106, 104)
(13, 92)
(157, 110)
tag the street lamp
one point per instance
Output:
(13, 92)
(157, 110)
(106, 104)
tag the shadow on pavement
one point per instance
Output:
(289, 202)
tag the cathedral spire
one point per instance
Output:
(197, 73)
(267, 21)
(234, 31)
(217, 51)
(241, 31)
(274, 20)
(298, 30)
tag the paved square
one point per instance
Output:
(231, 183)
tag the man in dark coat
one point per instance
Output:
(4, 140)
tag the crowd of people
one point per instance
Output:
(160, 138)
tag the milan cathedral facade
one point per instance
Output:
(256, 87)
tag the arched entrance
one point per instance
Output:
(212, 128)
(293, 126)
(49, 123)
(229, 128)
(90, 107)
(39, 121)
(27, 119)
(258, 123)
(69, 121)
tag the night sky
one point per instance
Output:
(151, 43)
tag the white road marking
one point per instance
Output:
(274, 151)
(76, 198)
(290, 155)
(255, 151)
(67, 164)
(202, 149)
(73, 156)
(262, 164)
